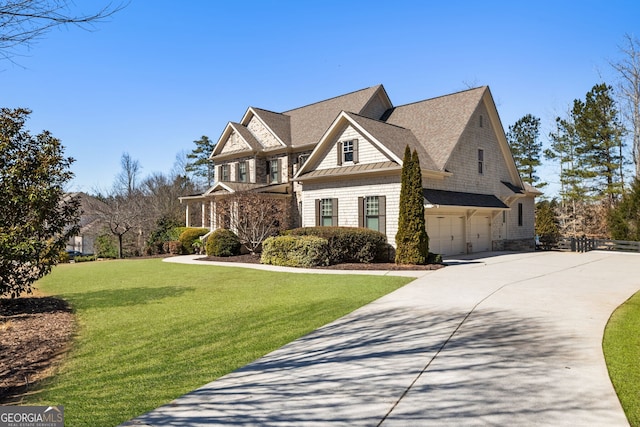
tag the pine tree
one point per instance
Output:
(600, 152)
(523, 138)
(412, 241)
(198, 160)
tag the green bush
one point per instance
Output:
(106, 246)
(434, 258)
(63, 257)
(295, 251)
(167, 229)
(189, 236)
(223, 242)
(348, 244)
(175, 232)
(85, 258)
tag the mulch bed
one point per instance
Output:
(36, 332)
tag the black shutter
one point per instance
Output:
(268, 168)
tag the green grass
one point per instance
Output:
(150, 331)
(621, 346)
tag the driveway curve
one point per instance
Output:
(505, 339)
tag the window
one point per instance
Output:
(273, 171)
(520, 219)
(348, 151)
(302, 158)
(371, 213)
(242, 172)
(480, 161)
(224, 172)
(480, 122)
(327, 212)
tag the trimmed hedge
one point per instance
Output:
(348, 244)
(223, 242)
(190, 235)
(295, 251)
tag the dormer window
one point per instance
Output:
(348, 151)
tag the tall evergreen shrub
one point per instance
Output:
(412, 241)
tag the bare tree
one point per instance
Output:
(254, 216)
(628, 69)
(121, 215)
(23, 22)
(126, 180)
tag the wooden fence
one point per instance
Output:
(585, 244)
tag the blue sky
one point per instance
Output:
(162, 73)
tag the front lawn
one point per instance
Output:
(150, 331)
(622, 352)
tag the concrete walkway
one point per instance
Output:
(508, 340)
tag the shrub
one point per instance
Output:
(106, 246)
(85, 258)
(223, 242)
(434, 258)
(174, 247)
(348, 244)
(189, 236)
(63, 257)
(412, 241)
(166, 230)
(295, 251)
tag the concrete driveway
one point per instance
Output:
(506, 340)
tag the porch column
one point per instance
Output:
(187, 215)
(211, 210)
(202, 208)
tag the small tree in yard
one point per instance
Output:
(36, 218)
(254, 216)
(624, 220)
(546, 224)
(412, 241)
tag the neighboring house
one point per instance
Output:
(90, 225)
(340, 160)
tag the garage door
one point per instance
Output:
(480, 233)
(446, 234)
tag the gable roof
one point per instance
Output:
(279, 124)
(310, 122)
(395, 138)
(439, 122)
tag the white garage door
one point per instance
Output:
(480, 233)
(446, 234)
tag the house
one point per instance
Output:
(339, 163)
(90, 225)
